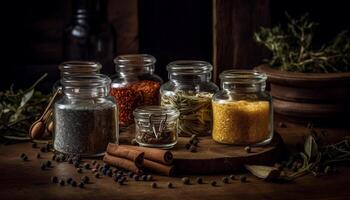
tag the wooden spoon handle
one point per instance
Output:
(58, 91)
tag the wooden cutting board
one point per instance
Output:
(214, 158)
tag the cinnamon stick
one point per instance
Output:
(157, 155)
(123, 151)
(159, 168)
(121, 162)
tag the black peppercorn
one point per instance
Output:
(248, 149)
(34, 145)
(194, 142)
(170, 185)
(122, 180)
(134, 142)
(185, 180)
(282, 125)
(48, 163)
(86, 165)
(43, 166)
(81, 184)
(144, 177)
(199, 180)
(38, 155)
(43, 149)
(193, 149)
(85, 179)
(97, 175)
(243, 179)
(76, 164)
(74, 183)
(53, 157)
(48, 147)
(225, 179)
(94, 162)
(187, 146)
(213, 183)
(69, 180)
(25, 158)
(149, 177)
(54, 179)
(106, 166)
(79, 170)
(22, 155)
(109, 173)
(115, 170)
(154, 185)
(130, 174)
(70, 160)
(136, 177)
(232, 177)
(58, 159)
(62, 182)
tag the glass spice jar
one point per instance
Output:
(76, 67)
(85, 116)
(242, 110)
(190, 91)
(134, 85)
(156, 126)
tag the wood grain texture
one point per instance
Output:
(25, 180)
(234, 22)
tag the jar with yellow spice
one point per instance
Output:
(242, 109)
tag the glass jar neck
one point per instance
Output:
(133, 65)
(86, 86)
(79, 68)
(243, 81)
(189, 71)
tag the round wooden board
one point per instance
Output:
(213, 158)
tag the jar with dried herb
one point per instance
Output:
(134, 85)
(242, 110)
(156, 126)
(85, 116)
(190, 91)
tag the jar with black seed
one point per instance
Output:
(85, 116)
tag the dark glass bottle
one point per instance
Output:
(89, 36)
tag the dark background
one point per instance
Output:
(31, 32)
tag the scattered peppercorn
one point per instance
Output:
(97, 175)
(187, 146)
(213, 183)
(109, 173)
(63, 158)
(106, 166)
(232, 177)
(48, 147)
(194, 142)
(282, 125)
(22, 155)
(130, 174)
(53, 157)
(170, 185)
(94, 162)
(34, 145)
(122, 180)
(48, 163)
(154, 185)
(69, 180)
(58, 159)
(193, 149)
(74, 183)
(81, 184)
(144, 177)
(54, 179)
(62, 182)
(134, 142)
(86, 165)
(43, 166)
(149, 177)
(79, 170)
(185, 180)
(136, 177)
(70, 160)
(199, 180)
(38, 155)
(225, 179)
(43, 149)
(248, 149)
(76, 164)
(243, 179)
(25, 158)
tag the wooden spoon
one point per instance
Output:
(37, 129)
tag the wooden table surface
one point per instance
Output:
(25, 180)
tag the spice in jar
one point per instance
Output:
(241, 122)
(195, 111)
(135, 95)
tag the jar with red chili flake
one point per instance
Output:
(134, 85)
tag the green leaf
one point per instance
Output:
(26, 97)
(310, 147)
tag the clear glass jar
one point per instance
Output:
(85, 116)
(77, 68)
(134, 85)
(190, 91)
(242, 110)
(156, 126)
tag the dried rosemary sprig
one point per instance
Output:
(293, 50)
(18, 109)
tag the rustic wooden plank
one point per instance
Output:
(234, 22)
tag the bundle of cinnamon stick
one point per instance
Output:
(136, 159)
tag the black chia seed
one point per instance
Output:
(85, 129)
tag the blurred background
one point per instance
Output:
(37, 35)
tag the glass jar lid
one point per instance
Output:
(188, 67)
(79, 67)
(156, 113)
(243, 76)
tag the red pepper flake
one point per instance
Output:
(135, 95)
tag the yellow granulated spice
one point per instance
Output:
(241, 122)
